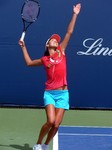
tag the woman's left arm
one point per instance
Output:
(70, 28)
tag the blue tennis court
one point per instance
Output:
(83, 138)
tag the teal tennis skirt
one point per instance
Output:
(58, 98)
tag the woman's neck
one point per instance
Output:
(52, 51)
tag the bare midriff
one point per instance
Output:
(62, 88)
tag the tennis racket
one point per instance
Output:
(29, 12)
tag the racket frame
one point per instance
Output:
(25, 27)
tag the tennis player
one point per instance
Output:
(56, 95)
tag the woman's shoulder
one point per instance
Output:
(60, 49)
(44, 58)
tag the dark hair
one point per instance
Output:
(46, 53)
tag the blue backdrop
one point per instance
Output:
(89, 53)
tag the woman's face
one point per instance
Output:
(53, 43)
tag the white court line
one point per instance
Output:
(73, 134)
(87, 126)
(55, 142)
(55, 139)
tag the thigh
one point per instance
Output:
(59, 116)
(50, 113)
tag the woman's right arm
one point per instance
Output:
(28, 60)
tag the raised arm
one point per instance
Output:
(70, 28)
(28, 60)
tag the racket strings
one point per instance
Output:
(30, 11)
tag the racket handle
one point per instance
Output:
(22, 36)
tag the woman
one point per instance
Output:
(56, 95)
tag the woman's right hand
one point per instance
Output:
(21, 43)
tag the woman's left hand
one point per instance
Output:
(76, 9)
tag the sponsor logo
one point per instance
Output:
(95, 48)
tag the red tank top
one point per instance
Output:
(55, 67)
